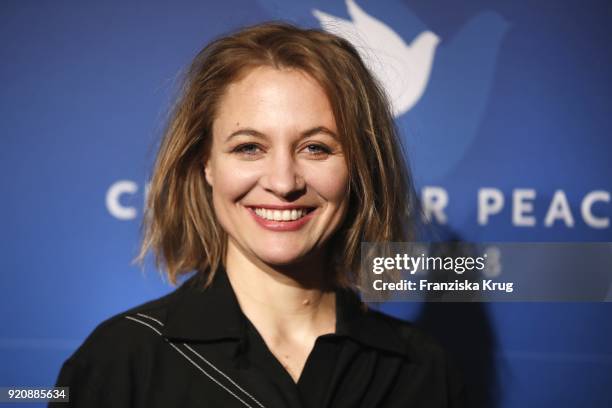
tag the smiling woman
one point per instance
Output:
(280, 159)
(288, 160)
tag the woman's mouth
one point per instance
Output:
(278, 219)
(281, 215)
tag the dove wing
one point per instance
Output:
(338, 26)
(376, 34)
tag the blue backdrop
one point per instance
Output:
(505, 109)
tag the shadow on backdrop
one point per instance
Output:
(466, 331)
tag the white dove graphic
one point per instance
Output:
(402, 69)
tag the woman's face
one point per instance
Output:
(277, 170)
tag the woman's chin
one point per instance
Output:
(284, 258)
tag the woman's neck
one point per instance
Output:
(284, 305)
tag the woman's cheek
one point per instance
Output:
(238, 178)
(331, 180)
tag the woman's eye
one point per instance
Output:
(318, 150)
(247, 149)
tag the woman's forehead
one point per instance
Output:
(270, 100)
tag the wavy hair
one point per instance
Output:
(180, 226)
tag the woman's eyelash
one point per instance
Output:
(320, 149)
(247, 148)
(252, 148)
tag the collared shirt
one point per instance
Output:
(196, 348)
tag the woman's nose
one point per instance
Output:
(283, 176)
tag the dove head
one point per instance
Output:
(181, 227)
(425, 45)
(428, 39)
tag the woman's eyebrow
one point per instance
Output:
(306, 133)
(246, 132)
(319, 129)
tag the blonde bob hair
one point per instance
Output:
(180, 226)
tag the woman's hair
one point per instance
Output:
(180, 226)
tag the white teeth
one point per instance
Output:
(280, 215)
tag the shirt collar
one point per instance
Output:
(355, 320)
(205, 314)
(211, 314)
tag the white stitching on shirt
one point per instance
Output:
(146, 324)
(193, 362)
(209, 363)
(223, 374)
(150, 318)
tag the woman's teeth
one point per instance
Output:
(280, 215)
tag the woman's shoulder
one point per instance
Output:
(119, 334)
(115, 355)
(120, 340)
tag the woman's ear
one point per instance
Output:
(208, 173)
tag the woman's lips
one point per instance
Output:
(274, 225)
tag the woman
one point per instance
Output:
(280, 159)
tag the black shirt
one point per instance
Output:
(195, 348)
